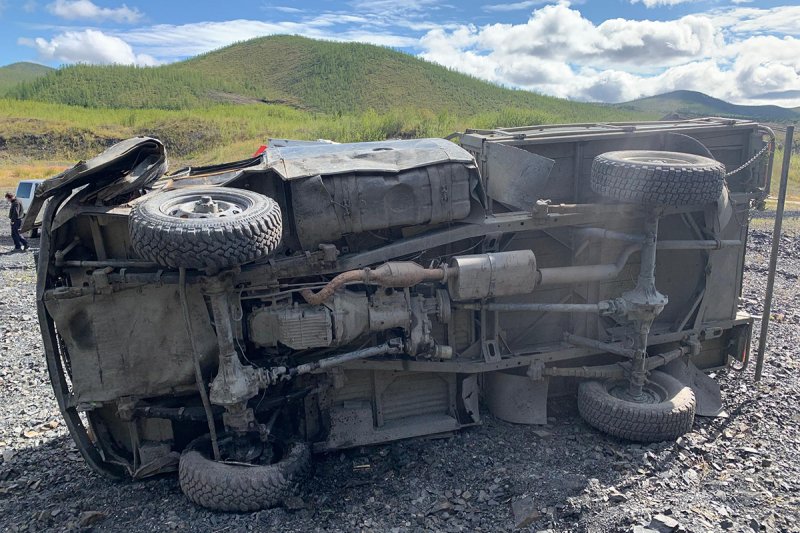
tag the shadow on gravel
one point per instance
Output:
(738, 473)
(715, 427)
(7, 249)
(474, 479)
(564, 476)
(15, 267)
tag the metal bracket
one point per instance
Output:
(616, 349)
(100, 280)
(536, 370)
(491, 242)
(490, 351)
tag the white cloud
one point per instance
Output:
(30, 6)
(515, 6)
(557, 32)
(394, 7)
(659, 3)
(88, 46)
(168, 41)
(782, 20)
(561, 53)
(739, 53)
(86, 9)
(283, 9)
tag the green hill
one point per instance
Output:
(222, 105)
(321, 76)
(15, 73)
(693, 103)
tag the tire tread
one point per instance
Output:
(233, 488)
(674, 185)
(638, 422)
(172, 243)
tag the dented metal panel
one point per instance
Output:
(515, 177)
(327, 207)
(293, 162)
(130, 343)
(395, 284)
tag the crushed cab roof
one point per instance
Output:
(292, 162)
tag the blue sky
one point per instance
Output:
(616, 50)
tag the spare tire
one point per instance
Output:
(205, 227)
(665, 411)
(238, 487)
(657, 178)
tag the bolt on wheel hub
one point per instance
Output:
(204, 206)
(650, 393)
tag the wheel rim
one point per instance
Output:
(652, 393)
(657, 160)
(203, 206)
(246, 450)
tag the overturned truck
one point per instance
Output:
(228, 321)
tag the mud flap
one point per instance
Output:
(706, 390)
(516, 397)
(724, 209)
(515, 177)
(158, 465)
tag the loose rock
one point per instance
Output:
(745, 467)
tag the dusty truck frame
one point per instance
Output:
(227, 321)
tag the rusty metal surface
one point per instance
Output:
(515, 177)
(516, 398)
(131, 342)
(126, 166)
(405, 276)
(300, 161)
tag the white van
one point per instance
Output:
(25, 191)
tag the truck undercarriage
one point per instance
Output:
(228, 321)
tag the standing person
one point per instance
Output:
(15, 214)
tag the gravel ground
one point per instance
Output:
(738, 473)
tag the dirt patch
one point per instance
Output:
(184, 137)
(68, 144)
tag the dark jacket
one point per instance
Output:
(16, 212)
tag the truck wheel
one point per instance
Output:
(205, 227)
(664, 412)
(238, 486)
(657, 178)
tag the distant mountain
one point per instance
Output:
(693, 103)
(331, 77)
(15, 73)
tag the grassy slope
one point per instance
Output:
(38, 135)
(15, 73)
(699, 104)
(345, 77)
(212, 107)
(316, 75)
(41, 139)
(191, 133)
(793, 184)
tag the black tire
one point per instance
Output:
(666, 419)
(657, 178)
(221, 486)
(249, 230)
